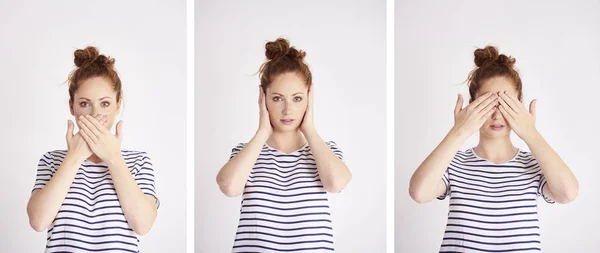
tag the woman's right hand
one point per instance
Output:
(470, 119)
(76, 145)
(265, 121)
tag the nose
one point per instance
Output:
(497, 114)
(286, 108)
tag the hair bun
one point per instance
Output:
(281, 48)
(490, 54)
(90, 55)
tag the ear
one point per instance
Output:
(71, 108)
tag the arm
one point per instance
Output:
(139, 209)
(562, 186)
(45, 203)
(426, 182)
(233, 175)
(333, 172)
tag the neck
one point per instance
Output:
(287, 141)
(94, 158)
(499, 150)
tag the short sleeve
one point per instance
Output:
(336, 150)
(540, 191)
(446, 180)
(45, 170)
(236, 150)
(144, 177)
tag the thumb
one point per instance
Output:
(70, 128)
(532, 107)
(459, 105)
(119, 130)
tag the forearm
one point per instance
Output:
(45, 203)
(139, 208)
(427, 177)
(560, 180)
(334, 174)
(233, 175)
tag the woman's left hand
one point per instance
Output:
(521, 120)
(100, 140)
(307, 122)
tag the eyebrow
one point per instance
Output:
(275, 93)
(82, 98)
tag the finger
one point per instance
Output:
(119, 130)
(481, 99)
(509, 110)
(105, 121)
(96, 125)
(507, 115)
(484, 113)
(87, 137)
(491, 100)
(70, 128)
(514, 105)
(532, 107)
(260, 94)
(489, 113)
(87, 125)
(459, 105)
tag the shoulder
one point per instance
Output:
(239, 147)
(525, 158)
(56, 155)
(134, 155)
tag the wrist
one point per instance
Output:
(262, 135)
(532, 136)
(458, 134)
(114, 159)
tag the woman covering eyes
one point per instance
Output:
(284, 172)
(493, 187)
(93, 197)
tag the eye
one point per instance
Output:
(297, 99)
(276, 99)
(105, 104)
(84, 104)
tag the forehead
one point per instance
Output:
(497, 84)
(288, 83)
(95, 88)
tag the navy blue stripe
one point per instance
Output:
(493, 215)
(286, 189)
(493, 222)
(282, 243)
(494, 196)
(493, 229)
(286, 250)
(284, 229)
(485, 250)
(287, 209)
(493, 208)
(283, 236)
(491, 201)
(284, 222)
(282, 215)
(285, 185)
(285, 202)
(82, 248)
(280, 195)
(93, 229)
(492, 236)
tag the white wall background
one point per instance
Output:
(147, 38)
(556, 45)
(345, 45)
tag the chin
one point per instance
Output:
(496, 135)
(286, 128)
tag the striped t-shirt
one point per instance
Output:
(493, 207)
(90, 218)
(284, 205)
